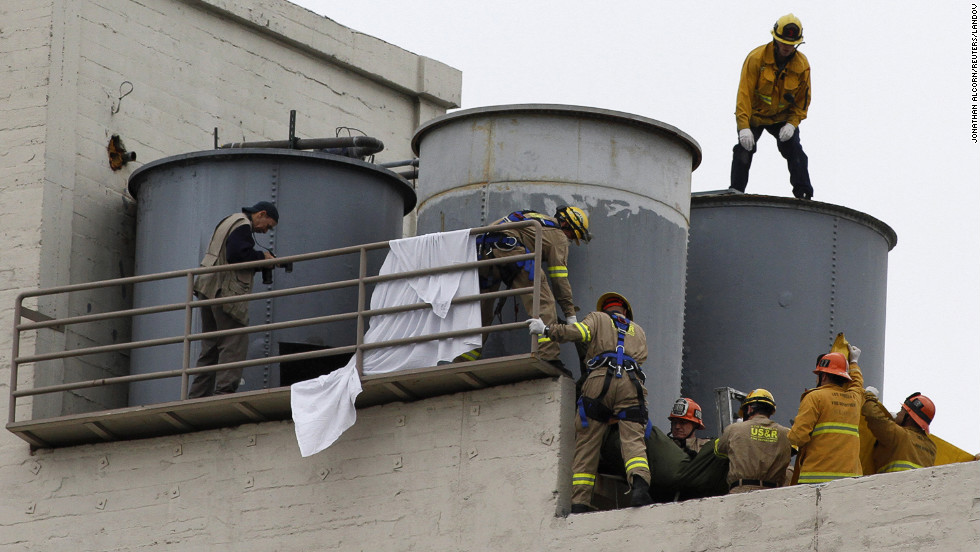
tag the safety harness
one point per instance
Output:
(486, 243)
(616, 362)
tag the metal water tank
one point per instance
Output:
(771, 281)
(324, 201)
(630, 173)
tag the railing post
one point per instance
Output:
(538, 271)
(15, 352)
(361, 300)
(188, 318)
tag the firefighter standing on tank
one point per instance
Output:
(613, 395)
(569, 223)
(774, 96)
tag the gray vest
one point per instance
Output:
(230, 282)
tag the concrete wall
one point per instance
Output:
(192, 66)
(482, 470)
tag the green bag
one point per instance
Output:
(673, 474)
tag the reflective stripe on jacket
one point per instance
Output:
(554, 254)
(598, 331)
(826, 430)
(898, 448)
(763, 88)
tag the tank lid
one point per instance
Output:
(752, 200)
(404, 187)
(567, 110)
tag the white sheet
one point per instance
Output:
(323, 408)
(428, 251)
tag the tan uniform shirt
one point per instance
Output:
(599, 332)
(554, 254)
(757, 448)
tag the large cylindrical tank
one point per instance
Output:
(771, 282)
(630, 173)
(324, 201)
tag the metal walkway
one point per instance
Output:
(172, 418)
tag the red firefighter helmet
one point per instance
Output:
(921, 409)
(834, 364)
(688, 410)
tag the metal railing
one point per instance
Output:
(38, 321)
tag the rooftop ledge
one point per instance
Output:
(173, 418)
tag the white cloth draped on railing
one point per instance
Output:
(323, 408)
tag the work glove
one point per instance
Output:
(855, 353)
(786, 132)
(536, 326)
(746, 139)
(873, 391)
(571, 320)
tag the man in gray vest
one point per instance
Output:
(231, 243)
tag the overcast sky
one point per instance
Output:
(888, 132)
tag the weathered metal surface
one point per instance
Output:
(631, 174)
(324, 201)
(771, 281)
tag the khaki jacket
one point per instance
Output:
(757, 448)
(554, 254)
(598, 331)
(898, 448)
(763, 88)
(227, 283)
(826, 430)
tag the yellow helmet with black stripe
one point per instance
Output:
(575, 220)
(788, 30)
(759, 396)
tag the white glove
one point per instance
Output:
(746, 139)
(873, 391)
(571, 320)
(855, 353)
(535, 326)
(786, 132)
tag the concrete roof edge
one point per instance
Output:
(320, 36)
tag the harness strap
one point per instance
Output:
(622, 360)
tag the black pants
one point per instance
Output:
(792, 152)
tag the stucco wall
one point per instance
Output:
(184, 68)
(482, 470)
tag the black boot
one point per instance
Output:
(580, 508)
(640, 494)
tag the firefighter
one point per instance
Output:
(773, 96)
(826, 428)
(903, 443)
(613, 395)
(686, 419)
(757, 448)
(569, 223)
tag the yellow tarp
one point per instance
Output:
(947, 453)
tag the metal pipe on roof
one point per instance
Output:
(366, 145)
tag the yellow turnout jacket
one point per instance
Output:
(826, 430)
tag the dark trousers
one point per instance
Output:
(219, 350)
(792, 152)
